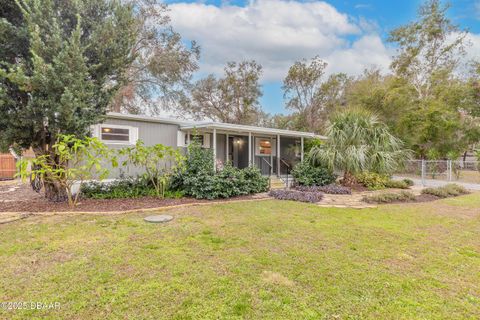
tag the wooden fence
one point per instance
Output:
(7, 166)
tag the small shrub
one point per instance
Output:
(329, 189)
(396, 184)
(409, 182)
(449, 190)
(294, 195)
(372, 180)
(403, 196)
(306, 174)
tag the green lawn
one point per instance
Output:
(264, 260)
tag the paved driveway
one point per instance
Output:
(439, 183)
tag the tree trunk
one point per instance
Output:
(348, 179)
(55, 192)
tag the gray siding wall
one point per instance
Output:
(150, 133)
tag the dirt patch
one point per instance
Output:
(24, 199)
(277, 279)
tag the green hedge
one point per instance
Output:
(198, 179)
(125, 187)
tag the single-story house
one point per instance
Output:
(273, 151)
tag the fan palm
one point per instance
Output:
(358, 141)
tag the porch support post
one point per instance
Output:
(188, 137)
(214, 149)
(249, 149)
(226, 148)
(301, 149)
(278, 155)
(271, 156)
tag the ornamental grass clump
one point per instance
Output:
(449, 190)
(403, 196)
(294, 195)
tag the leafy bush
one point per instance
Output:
(199, 180)
(396, 184)
(255, 181)
(372, 180)
(449, 190)
(72, 160)
(311, 197)
(409, 182)
(329, 189)
(306, 174)
(158, 161)
(403, 196)
(124, 188)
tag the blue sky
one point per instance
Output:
(349, 35)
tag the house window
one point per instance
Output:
(264, 147)
(117, 134)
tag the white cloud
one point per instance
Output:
(473, 49)
(276, 33)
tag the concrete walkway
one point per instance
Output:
(439, 183)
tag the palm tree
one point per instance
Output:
(358, 141)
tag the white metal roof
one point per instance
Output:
(210, 125)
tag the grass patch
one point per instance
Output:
(255, 260)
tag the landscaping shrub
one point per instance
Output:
(403, 196)
(409, 182)
(375, 181)
(306, 174)
(129, 187)
(294, 195)
(329, 189)
(372, 180)
(255, 181)
(396, 184)
(198, 179)
(158, 162)
(449, 190)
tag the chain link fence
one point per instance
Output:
(442, 170)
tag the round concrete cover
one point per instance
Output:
(158, 219)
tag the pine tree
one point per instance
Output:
(76, 57)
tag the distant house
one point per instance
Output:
(273, 151)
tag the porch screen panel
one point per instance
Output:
(290, 152)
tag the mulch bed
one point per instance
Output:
(426, 198)
(26, 200)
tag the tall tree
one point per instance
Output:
(310, 97)
(162, 69)
(429, 49)
(76, 58)
(436, 121)
(385, 95)
(233, 98)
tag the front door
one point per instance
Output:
(238, 151)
